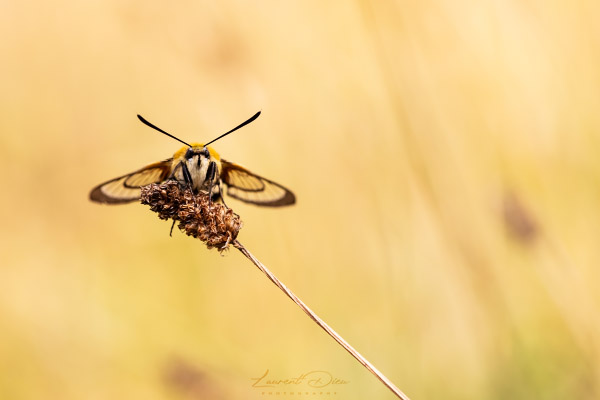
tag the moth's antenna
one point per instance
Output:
(235, 129)
(161, 131)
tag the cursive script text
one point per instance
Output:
(315, 379)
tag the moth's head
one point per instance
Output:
(196, 149)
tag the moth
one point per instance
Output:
(201, 168)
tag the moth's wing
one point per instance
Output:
(126, 188)
(251, 188)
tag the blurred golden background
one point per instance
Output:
(445, 159)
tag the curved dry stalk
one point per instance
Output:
(320, 322)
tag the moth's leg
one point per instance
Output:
(174, 173)
(172, 176)
(218, 195)
(171, 231)
(221, 193)
(187, 177)
(210, 177)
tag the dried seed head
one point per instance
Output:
(213, 223)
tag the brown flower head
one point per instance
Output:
(213, 223)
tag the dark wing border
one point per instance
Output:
(227, 168)
(97, 195)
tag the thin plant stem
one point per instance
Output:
(321, 323)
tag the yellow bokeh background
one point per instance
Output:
(445, 159)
